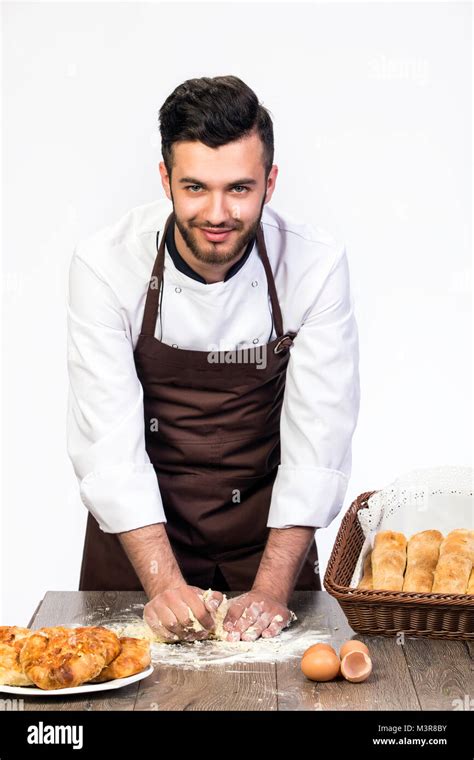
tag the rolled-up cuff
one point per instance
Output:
(123, 497)
(308, 496)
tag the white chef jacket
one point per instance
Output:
(108, 280)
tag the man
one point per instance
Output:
(214, 388)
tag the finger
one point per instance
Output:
(193, 635)
(156, 625)
(234, 612)
(249, 617)
(274, 628)
(233, 636)
(195, 603)
(188, 632)
(160, 614)
(165, 635)
(213, 601)
(239, 611)
(175, 614)
(254, 631)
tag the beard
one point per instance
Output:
(209, 253)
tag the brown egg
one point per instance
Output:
(319, 647)
(356, 666)
(321, 665)
(353, 646)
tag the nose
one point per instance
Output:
(217, 213)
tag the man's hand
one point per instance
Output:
(168, 613)
(255, 614)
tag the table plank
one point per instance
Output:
(441, 672)
(417, 674)
(388, 688)
(239, 686)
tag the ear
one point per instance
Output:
(271, 182)
(165, 179)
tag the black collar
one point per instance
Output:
(184, 267)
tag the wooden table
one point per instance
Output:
(421, 674)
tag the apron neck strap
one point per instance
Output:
(150, 314)
(276, 311)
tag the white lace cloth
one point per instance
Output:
(437, 498)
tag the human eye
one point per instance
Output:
(243, 187)
(188, 187)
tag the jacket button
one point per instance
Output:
(178, 290)
(174, 345)
(254, 283)
(255, 340)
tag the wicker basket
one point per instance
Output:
(386, 613)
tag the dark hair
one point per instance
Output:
(215, 111)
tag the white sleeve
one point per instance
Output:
(320, 409)
(105, 423)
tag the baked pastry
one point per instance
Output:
(133, 657)
(12, 639)
(367, 580)
(452, 574)
(422, 558)
(459, 541)
(456, 559)
(389, 557)
(426, 564)
(107, 638)
(60, 657)
(470, 585)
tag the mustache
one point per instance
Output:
(214, 229)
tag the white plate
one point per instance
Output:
(90, 688)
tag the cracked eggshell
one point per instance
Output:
(356, 666)
(353, 646)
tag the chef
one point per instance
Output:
(214, 387)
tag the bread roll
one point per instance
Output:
(452, 574)
(367, 581)
(456, 558)
(389, 557)
(422, 558)
(459, 541)
(470, 585)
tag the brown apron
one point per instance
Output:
(212, 432)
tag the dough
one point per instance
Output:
(218, 634)
(218, 616)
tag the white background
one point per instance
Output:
(372, 113)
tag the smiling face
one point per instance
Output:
(218, 196)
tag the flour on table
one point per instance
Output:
(289, 644)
